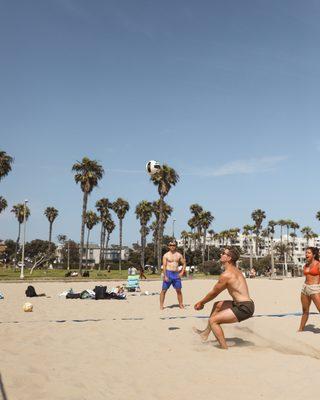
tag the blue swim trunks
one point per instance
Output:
(173, 279)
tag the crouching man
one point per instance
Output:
(227, 311)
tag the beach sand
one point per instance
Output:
(129, 349)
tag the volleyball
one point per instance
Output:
(27, 307)
(152, 167)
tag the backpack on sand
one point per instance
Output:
(31, 292)
(101, 292)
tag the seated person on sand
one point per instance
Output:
(238, 309)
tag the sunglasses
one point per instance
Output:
(225, 254)
(172, 245)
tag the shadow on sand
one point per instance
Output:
(312, 328)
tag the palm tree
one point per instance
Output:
(294, 226)
(3, 204)
(51, 213)
(164, 179)
(281, 223)
(205, 220)
(18, 210)
(258, 216)
(192, 224)
(103, 205)
(196, 210)
(184, 236)
(109, 226)
(120, 207)
(5, 164)
(88, 173)
(318, 215)
(91, 220)
(307, 233)
(144, 213)
(211, 233)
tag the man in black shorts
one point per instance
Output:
(227, 311)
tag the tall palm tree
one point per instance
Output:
(144, 213)
(307, 233)
(18, 210)
(294, 226)
(184, 236)
(281, 223)
(196, 210)
(103, 205)
(211, 233)
(205, 220)
(88, 173)
(164, 179)
(5, 164)
(120, 207)
(109, 226)
(258, 216)
(51, 213)
(91, 220)
(192, 224)
(318, 215)
(3, 204)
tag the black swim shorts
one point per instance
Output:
(243, 309)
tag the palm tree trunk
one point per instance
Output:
(160, 233)
(106, 249)
(143, 235)
(87, 249)
(204, 245)
(84, 210)
(50, 236)
(101, 247)
(120, 240)
(17, 245)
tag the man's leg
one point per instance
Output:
(217, 307)
(225, 316)
(162, 296)
(180, 300)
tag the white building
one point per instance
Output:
(248, 244)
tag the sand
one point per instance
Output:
(109, 349)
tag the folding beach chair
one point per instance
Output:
(133, 283)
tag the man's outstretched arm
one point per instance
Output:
(219, 287)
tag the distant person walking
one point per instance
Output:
(142, 274)
(311, 288)
(227, 311)
(171, 274)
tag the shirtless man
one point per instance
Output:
(227, 311)
(171, 275)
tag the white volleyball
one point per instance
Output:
(152, 167)
(27, 307)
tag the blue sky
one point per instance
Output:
(225, 92)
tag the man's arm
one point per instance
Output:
(219, 287)
(164, 264)
(183, 262)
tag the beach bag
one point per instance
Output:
(73, 296)
(31, 292)
(100, 292)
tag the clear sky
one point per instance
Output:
(225, 92)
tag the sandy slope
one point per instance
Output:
(130, 349)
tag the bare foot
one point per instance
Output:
(181, 306)
(161, 308)
(203, 334)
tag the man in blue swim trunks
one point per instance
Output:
(171, 274)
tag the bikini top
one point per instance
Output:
(314, 270)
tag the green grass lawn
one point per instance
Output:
(59, 274)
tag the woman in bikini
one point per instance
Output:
(311, 287)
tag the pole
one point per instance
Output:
(24, 238)
(68, 267)
(173, 228)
